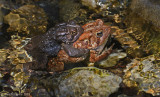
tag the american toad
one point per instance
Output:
(65, 32)
(95, 38)
(48, 45)
(92, 41)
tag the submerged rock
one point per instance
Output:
(112, 59)
(127, 42)
(71, 10)
(90, 3)
(148, 10)
(87, 81)
(143, 23)
(15, 54)
(28, 19)
(12, 71)
(3, 12)
(3, 55)
(145, 74)
(109, 9)
(1, 18)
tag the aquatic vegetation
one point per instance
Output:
(87, 81)
(144, 73)
(28, 19)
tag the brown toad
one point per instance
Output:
(48, 45)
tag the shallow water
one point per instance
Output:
(133, 63)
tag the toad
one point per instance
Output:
(95, 38)
(47, 45)
(93, 42)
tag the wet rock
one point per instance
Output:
(110, 10)
(14, 4)
(13, 74)
(1, 19)
(130, 44)
(148, 10)
(3, 12)
(144, 73)
(90, 3)
(28, 19)
(123, 95)
(87, 81)
(112, 59)
(41, 93)
(51, 8)
(71, 10)
(143, 24)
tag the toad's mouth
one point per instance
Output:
(105, 46)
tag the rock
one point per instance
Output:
(90, 3)
(143, 23)
(71, 10)
(112, 59)
(87, 81)
(148, 10)
(28, 19)
(1, 19)
(145, 72)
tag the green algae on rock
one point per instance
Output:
(86, 81)
(28, 19)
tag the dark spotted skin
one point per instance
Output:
(47, 45)
(66, 32)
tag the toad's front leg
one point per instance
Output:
(57, 63)
(95, 56)
(75, 52)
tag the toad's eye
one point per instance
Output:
(73, 32)
(100, 34)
